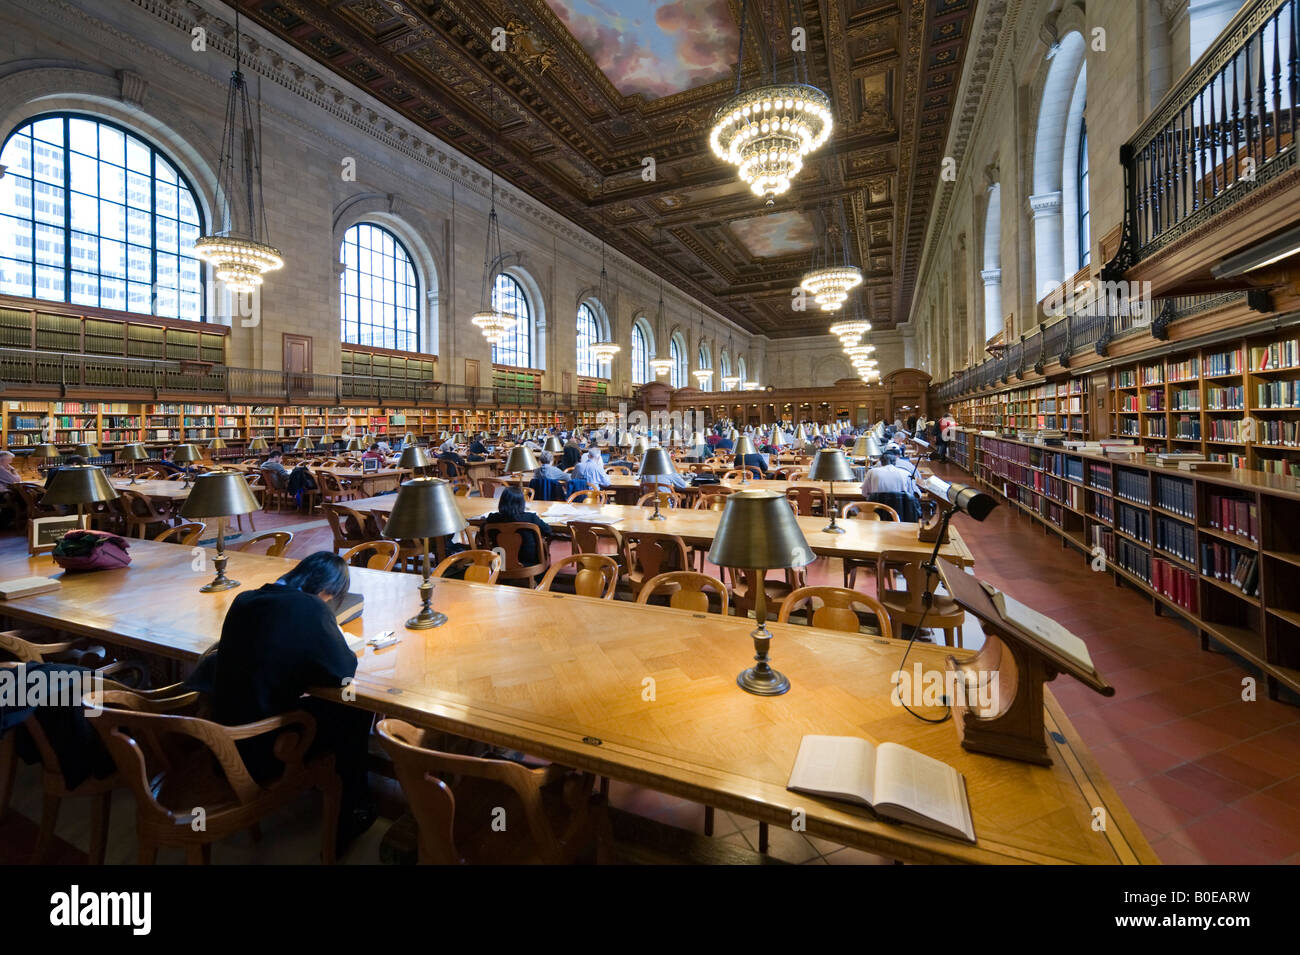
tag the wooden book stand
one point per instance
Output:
(1012, 724)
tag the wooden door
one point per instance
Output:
(297, 362)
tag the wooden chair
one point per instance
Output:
(186, 534)
(590, 496)
(777, 590)
(30, 494)
(797, 474)
(667, 499)
(596, 575)
(619, 469)
(836, 611)
(588, 536)
(509, 537)
(198, 764)
(273, 496)
(906, 607)
(460, 486)
(811, 500)
(376, 554)
(863, 511)
(275, 542)
(493, 486)
(349, 527)
(648, 554)
(332, 490)
(54, 787)
(481, 566)
(754, 474)
(562, 818)
(687, 591)
(140, 513)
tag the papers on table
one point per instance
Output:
(562, 512)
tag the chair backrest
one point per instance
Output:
(619, 469)
(271, 479)
(587, 536)
(509, 536)
(186, 534)
(491, 486)
(274, 542)
(418, 767)
(666, 499)
(868, 511)
(836, 609)
(376, 554)
(357, 526)
(27, 651)
(482, 566)
(591, 495)
(329, 483)
(140, 506)
(808, 498)
(596, 575)
(796, 474)
(460, 486)
(904, 505)
(687, 591)
(653, 553)
(914, 576)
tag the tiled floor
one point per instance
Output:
(1208, 776)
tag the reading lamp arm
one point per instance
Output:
(931, 566)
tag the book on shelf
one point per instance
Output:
(897, 782)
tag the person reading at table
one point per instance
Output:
(447, 452)
(591, 470)
(889, 484)
(9, 475)
(373, 452)
(278, 642)
(477, 449)
(512, 509)
(274, 463)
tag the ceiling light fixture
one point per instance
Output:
(832, 276)
(239, 260)
(604, 351)
(490, 320)
(767, 131)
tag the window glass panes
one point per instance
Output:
(640, 356)
(1085, 224)
(517, 347)
(677, 352)
(588, 335)
(91, 214)
(379, 290)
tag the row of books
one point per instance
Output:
(1184, 370)
(1103, 507)
(1132, 486)
(1175, 537)
(1279, 466)
(1133, 558)
(1226, 429)
(1278, 394)
(1155, 401)
(1223, 363)
(1178, 584)
(1157, 428)
(1225, 399)
(1284, 354)
(1100, 476)
(1153, 374)
(1233, 515)
(1232, 565)
(1279, 432)
(1175, 494)
(1126, 378)
(1127, 403)
(1188, 427)
(1185, 399)
(1133, 522)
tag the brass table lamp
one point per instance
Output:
(187, 454)
(87, 451)
(744, 446)
(354, 445)
(78, 485)
(257, 444)
(656, 463)
(520, 460)
(302, 444)
(830, 465)
(133, 453)
(415, 458)
(553, 445)
(424, 508)
(759, 532)
(220, 494)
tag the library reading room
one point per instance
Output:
(649, 432)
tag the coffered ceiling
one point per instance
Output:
(587, 89)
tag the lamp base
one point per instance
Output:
(832, 528)
(221, 583)
(657, 517)
(426, 621)
(763, 681)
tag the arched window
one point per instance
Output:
(91, 214)
(380, 292)
(724, 366)
(517, 348)
(704, 359)
(641, 350)
(588, 335)
(677, 352)
(1053, 203)
(991, 274)
(1081, 183)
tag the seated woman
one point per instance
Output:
(277, 642)
(511, 509)
(375, 452)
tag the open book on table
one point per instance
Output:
(898, 783)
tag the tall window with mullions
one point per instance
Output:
(516, 348)
(588, 335)
(91, 214)
(1085, 213)
(379, 290)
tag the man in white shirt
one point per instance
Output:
(592, 470)
(889, 478)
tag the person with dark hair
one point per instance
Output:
(572, 455)
(512, 509)
(895, 486)
(277, 642)
(167, 464)
(373, 452)
(477, 449)
(274, 463)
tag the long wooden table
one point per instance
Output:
(563, 677)
(174, 492)
(370, 481)
(864, 540)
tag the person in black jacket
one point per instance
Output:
(510, 510)
(277, 642)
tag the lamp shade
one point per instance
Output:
(257, 444)
(800, 435)
(216, 444)
(302, 444)
(220, 494)
(78, 484)
(187, 453)
(414, 456)
(325, 442)
(553, 445)
(641, 445)
(861, 445)
(425, 507)
(626, 440)
(45, 451)
(521, 459)
(132, 452)
(354, 444)
(656, 463)
(830, 465)
(759, 531)
(744, 446)
(88, 451)
(873, 446)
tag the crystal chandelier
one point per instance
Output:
(603, 352)
(832, 276)
(749, 386)
(238, 260)
(850, 333)
(490, 320)
(767, 131)
(702, 375)
(859, 351)
(730, 381)
(661, 366)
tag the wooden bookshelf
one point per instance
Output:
(1060, 405)
(1175, 536)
